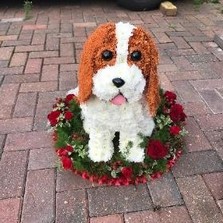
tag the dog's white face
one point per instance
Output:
(123, 81)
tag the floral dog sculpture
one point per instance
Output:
(118, 90)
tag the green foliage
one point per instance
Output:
(71, 132)
(27, 6)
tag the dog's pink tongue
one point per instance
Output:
(118, 100)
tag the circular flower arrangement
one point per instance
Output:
(162, 149)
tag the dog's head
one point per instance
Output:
(119, 65)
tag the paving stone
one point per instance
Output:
(39, 86)
(2, 142)
(38, 38)
(50, 73)
(201, 58)
(34, 27)
(165, 83)
(52, 43)
(45, 103)
(162, 37)
(6, 53)
(207, 84)
(29, 48)
(13, 43)
(67, 50)
(110, 200)
(9, 210)
(210, 122)
(68, 67)
(214, 181)
(42, 159)
(8, 93)
(220, 204)
(39, 199)
(18, 59)
(12, 173)
(67, 181)
(167, 67)
(164, 215)
(8, 37)
(200, 204)
(108, 219)
(214, 100)
(199, 47)
(16, 125)
(21, 78)
(196, 163)
(195, 140)
(196, 108)
(216, 139)
(12, 20)
(183, 75)
(84, 24)
(28, 140)
(33, 66)
(170, 195)
(198, 38)
(186, 91)
(25, 105)
(43, 54)
(59, 60)
(182, 63)
(219, 40)
(67, 80)
(209, 70)
(180, 42)
(11, 70)
(71, 207)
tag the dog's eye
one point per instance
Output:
(107, 55)
(136, 55)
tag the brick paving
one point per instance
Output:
(38, 62)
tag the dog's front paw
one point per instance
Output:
(136, 155)
(100, 147)
(131, 150)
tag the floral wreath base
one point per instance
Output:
(162, 149)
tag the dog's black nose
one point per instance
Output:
(118, 82)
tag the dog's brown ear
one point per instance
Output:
(85, 73)
(152, 88)
(102, 38)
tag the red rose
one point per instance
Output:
(53, 117)
(156, 150)
(69, 97)
(175, 130)
(127, 172)
(170, 97)
(176, 113)
(68, 115)
(66, 162)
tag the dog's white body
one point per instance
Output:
(102, 118)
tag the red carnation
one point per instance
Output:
(66, 162)
(68, 115)
(53, 117)
(69, 148)
(170, 97)
(175, 130)
(127, 172)
(156, 150)
(176, 113)
(62, 152)
(69, 97)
